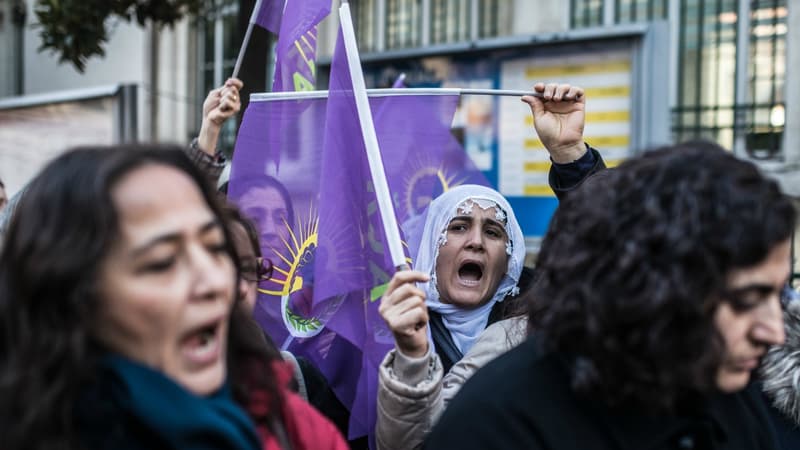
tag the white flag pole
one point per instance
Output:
(246, 39)
(371, 140)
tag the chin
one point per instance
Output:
(468, 303)
(206, 382)
(729, 382)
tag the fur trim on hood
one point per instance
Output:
(780, 369)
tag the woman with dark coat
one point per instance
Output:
(780, 376)
(468, 271)
(657, 293)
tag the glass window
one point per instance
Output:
(586, 13)
(450, 20)
(403, 23)
(628, 11)
(493, 18)
(707, 71)
(707, 76)
(767, 75)
(364, 24)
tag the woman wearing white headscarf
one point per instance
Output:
(469, 263)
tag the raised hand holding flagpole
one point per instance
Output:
(384, 197)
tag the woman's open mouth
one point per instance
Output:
(470, 273)
(202, 346)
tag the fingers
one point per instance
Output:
(405, 276)
(557, 92)
(405, 312)
(536, 103)
(575, 93)
(403, 299)
(229, 99)
(235, 83)
(402, 296)
(408, 322)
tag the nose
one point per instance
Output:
(212, 274)
(271, 233)
(475, 238)
(768, 328)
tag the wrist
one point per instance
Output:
(569, 153)
(412, 351)
(207, 139)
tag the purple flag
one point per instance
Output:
(318, 219)
(295, 61)
(318, 222)
(269, 14)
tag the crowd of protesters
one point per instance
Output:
(128, 283)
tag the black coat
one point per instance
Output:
(522, 400)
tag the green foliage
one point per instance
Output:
(300, 323)
(78, 29)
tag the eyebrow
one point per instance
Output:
(761, 288)
(171, 238)
(485, 220)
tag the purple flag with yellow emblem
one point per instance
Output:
(318, 220)
(269, 14)
(296, 50)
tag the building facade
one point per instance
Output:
(726, 63)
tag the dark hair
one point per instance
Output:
(234, 215)
(58, 238)
(632, 267)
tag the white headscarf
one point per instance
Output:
(466, 324)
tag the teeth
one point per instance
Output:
(206, 336)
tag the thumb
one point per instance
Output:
(536, 104)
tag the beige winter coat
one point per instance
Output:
(413, 392)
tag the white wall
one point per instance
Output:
(173, 77)
(127, 60)
(7, 44)
(540, 16)
(121, 64)
(791, 142)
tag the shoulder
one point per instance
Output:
(495, 340)
(307, 427)
(512, 380)
(781, 365)
(514, 368)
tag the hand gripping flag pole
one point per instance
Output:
(384, 197)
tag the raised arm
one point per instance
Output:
(559, 118)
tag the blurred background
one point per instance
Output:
(656, 71)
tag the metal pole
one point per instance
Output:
(246, 39)
(376, 169)
(502, 92)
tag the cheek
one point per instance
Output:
(445, 259)
(731, 327)
(499, 261)
(139, 323)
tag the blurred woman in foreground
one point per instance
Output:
(119, 321)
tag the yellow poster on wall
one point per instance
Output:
(606, 78)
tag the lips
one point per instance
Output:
(747, 364)
(202, 345)
(470, 272)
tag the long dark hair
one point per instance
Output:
(633, 265)
(59, 235)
